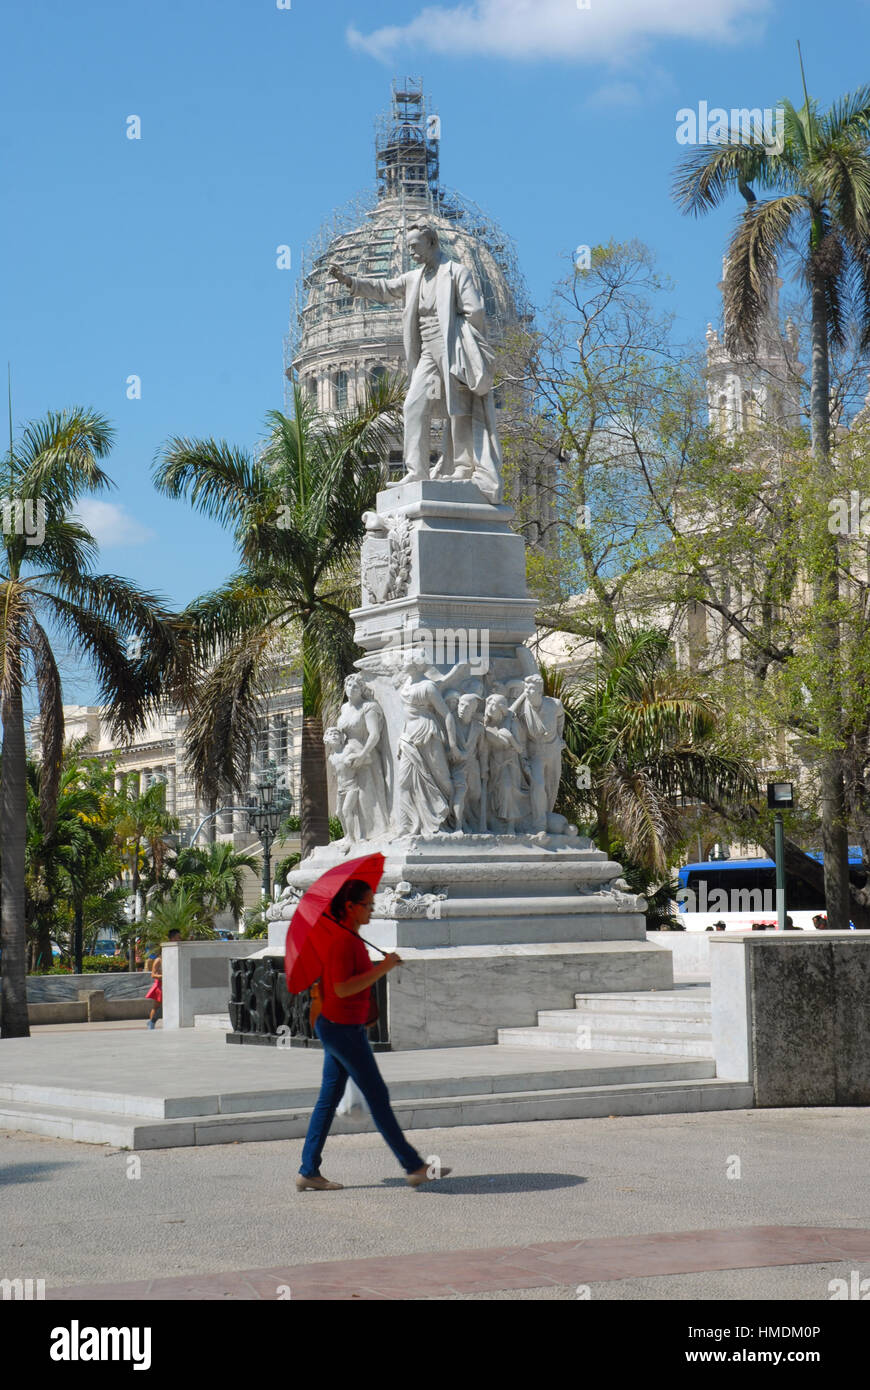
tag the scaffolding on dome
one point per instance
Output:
(406, 144)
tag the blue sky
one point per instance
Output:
(157, 256)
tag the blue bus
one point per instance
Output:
(742, 893)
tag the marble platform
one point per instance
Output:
(492, 929)
(185, 1087)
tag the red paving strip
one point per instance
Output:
(402, 1277)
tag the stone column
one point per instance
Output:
(272, 725)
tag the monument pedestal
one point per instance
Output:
(491, 926)
(491, 929)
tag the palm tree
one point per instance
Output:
(143, 828)
(181, 911)
(296, 513)
(648, 740)
(820, 180)
(46, 577)
(215, 876)
(60, 862)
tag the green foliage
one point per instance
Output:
(256, 922)
(284, 866)
(292, 825)
(99, 965)
(91, 965)
(213, 876)
(608, 392)
(640, 737)
(818, 179)
(660, 896)
(181, 911)
(296, 516)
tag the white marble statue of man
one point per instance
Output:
(541, 720)
(448, 358)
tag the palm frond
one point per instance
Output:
(708, 173)
(218, 480)
(223, 723)
(13, 618)
(56, 457)
(760, 235)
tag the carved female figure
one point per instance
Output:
(505, 777)
(425, 784)
(467, 810)
(361, 720)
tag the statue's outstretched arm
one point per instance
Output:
(383, 291)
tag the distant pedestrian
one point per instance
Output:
(156, 990)
(820, 922)
(346, 984)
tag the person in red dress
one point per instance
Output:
(347, 981)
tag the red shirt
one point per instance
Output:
(347, 957)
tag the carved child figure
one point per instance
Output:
(341, 755)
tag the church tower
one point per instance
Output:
(747, 389)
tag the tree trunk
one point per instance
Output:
(77, 938)
(314, 811)
(835, 838)
(13, 833)
(44, 957)
(134, 884)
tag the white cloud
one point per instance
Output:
(110, 524)
(611, 30)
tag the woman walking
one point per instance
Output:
(348, 976)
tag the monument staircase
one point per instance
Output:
(667, 1023)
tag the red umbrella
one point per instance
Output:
(310, 931)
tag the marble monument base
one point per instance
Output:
(491, 929)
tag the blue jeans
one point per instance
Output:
(347, 1053)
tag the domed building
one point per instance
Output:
(338, 343)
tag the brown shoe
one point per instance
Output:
(422, 1175)
(318, 1184)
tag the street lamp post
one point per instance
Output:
(780, 796)
(266, 816)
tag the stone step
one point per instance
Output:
(694, 1001)
(435, 1112)
(220, 1022)
(626, 1021)
(640, 1041)
(451, 929)
(590, 1070)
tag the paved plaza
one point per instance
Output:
(757, 1204)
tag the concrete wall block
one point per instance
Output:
(793, 1023)
(48, 989)
(851, 972)
(793, 1016)
(96, 1002)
